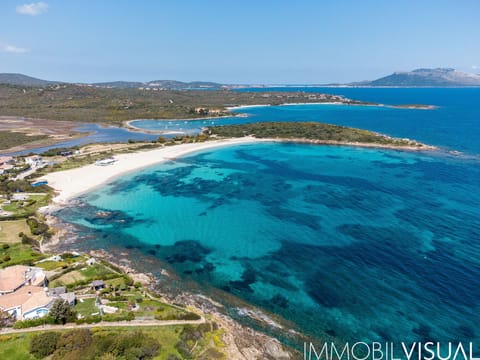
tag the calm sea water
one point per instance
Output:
(350, 243)
(455, 124)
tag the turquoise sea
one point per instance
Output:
(345, 243)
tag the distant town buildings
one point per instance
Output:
(207, 111)
(7, 163)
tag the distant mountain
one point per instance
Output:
(24, 80)
(441, 77)
(20, 79)
(163, 84)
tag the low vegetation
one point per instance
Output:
(165, 343)
(16, 254)
(9, 186)
(71, 102)
(309, 131)
(10, 139)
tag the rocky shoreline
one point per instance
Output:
(241, 342)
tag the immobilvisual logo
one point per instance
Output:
(391, 351)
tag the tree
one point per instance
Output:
(6, 319)
(62, 312)
(44, 344)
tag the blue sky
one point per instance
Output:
(241, 41)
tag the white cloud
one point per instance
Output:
(32, 9)
(12, 49)
(475, 67)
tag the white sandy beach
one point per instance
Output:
(72, 183)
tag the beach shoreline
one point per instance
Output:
(72, 183)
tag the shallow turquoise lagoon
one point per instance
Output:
(353, 243)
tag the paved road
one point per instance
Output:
(143, 323)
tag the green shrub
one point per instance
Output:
(129, 316)
(26, 240)
(37, 227)
(34, 322)
(93, 319)
(74, 345)
(44, 344)
(189, 316)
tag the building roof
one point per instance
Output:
(15, 276)
(68, 297)
(96, 283)
(4, 159)
(28, 297)
(57, 291)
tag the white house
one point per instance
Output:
(28, 302)
(34, 161)
(14, 277)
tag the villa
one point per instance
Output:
(23, 292)
(29, 302)
(14, 277)
(34, 161)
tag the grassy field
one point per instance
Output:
(69, 278)
(15, 346)
(85, 275)
(18, 254)
(51, 265)
(10, 229)
(86, 308)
